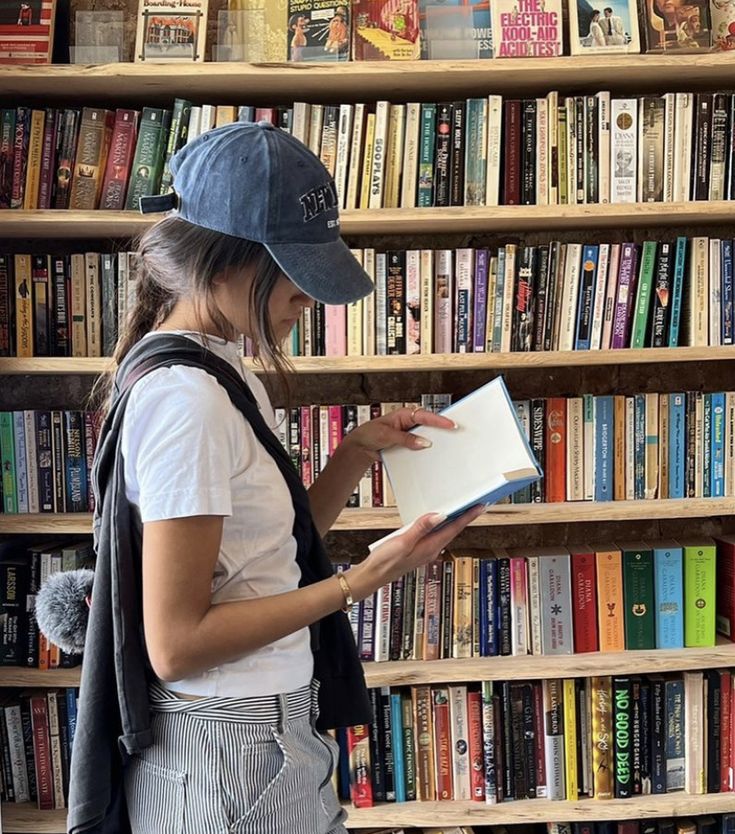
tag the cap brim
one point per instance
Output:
(328, 272)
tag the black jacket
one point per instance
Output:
(114, 719)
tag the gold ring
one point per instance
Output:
(413, 412)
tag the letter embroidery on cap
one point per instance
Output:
(318, 201)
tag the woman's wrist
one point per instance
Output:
(364, 580)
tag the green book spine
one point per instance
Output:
(645, 295)
(409, 747)
(145, 177)
(638, 597)
(476, 152)
(7, 458)
(426, 156)
(176, 139)
(699, 594)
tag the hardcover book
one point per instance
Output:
(527, 28)
(677, 27)
(172, 31)
(386, 30)
(26, 31)
(613, 28)
(318, 30)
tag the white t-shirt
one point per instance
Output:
(188, 451)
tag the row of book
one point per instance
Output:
(705, 824)
(562, 600)
(556, 296)
(590, 448)
(24, 566)
(36, 734)
(46, 461)
(477, 152)
(496, 741)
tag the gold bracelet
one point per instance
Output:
(346, 590)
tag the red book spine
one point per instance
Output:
(377, 466)
(265, 114)
(432, 609)
(442, 744)
(725, 732)
(42, 753)
(556, 449)
(726, 588)
(358, 746)
(119, 160)
(306, 463)
(48, 158)
(538, 726)
(477, 764)
(335, 428)
(512, 153)
(584, 596)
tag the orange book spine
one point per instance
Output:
(442, 743)
(610, 600)
(556, 453)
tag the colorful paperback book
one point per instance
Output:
(677, 28)
(668, 571)
(638, 593)
(26, 31)
(677, 445)
(318, 30)
(455, 29)
(722, 13)
(527, 28)
(613, 28)
(171, 31)
(699, 593)
(386, 30)
(604, 448)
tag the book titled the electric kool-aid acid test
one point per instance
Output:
(484, 459)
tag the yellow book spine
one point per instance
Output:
(225, 115)
(23, 306)
(462, 607)
(78, 307)
(394, 155)
(35, 151)
(663, 447)
(610, 600)
(570, 739)
(367, 162)
(602, 738)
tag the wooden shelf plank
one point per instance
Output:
(357, 81)
(537, 810)
(538, 667)
(24, 818)
(103, 224)
(17, 676)
(411, 364)
(505, 515)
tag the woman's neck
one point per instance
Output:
(185, 316)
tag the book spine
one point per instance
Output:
(699, 595)
(119, 160)
(622, 705)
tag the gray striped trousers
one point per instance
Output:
(236, 765)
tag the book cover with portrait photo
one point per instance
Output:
(605, 26)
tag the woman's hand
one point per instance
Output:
(419, 544)
(393, 430)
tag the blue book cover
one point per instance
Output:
(586, 302)
(71, 712)
(668, 571)
(677, 286)
(448, 34)
(717, 453)
(396, 729)
(728, 824)
(706, 445)
(604, 448)
(639, 447)
(726, 292)
(677, 445)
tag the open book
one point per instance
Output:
(484, 459)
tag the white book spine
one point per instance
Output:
(356, 161)
(640, 162)
(443, 292)
(29, 430)
(463, 290)
(427, 301)
(623, 150)
(694, 722)
(669, 144)
(368, 307)
(603, 167)
(344, 136)
(571, 150)
(195, 124)
(552, 146)
(698, 313)
(542, 152)
(569, 296)
(610, 295)
(380, 147)
(494, 149)
(301, 121)
(315, 128)
(588, 453)
(382, 623)
(366, 482)
(553, 700)
(282, 427)
(575, 449)
(534, 604)
(411, 155)
(413, 301)
(598, 312)
(18, 761)
(508, 288)
(323, 436)
(209, 113)
(381, 300)
(715, 293)
(683, 126)
(629, 448)
(460, 742)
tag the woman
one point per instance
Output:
(596, 36)
(235, 658)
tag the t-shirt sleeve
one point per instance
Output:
(181, 442)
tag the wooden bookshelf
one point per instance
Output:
(42, 223)
(399, 80)
(25, 818)
(396, 814)
(12, 676)
(505, 515)
(538, 667)
(454, 362)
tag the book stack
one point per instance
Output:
(551, 601)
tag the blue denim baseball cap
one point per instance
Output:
(256, 181)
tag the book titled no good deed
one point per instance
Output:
(484, 459)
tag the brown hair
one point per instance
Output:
(176, 259)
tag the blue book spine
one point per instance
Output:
(639, 449)
(677, 290)
(677, 445)
(491, 583)
(586, 302)
(707, 445)
(668, 570)
(71, 712)
(728, 824)
(717, 455)
(604, 448)
(396, 728)
(727, 292)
